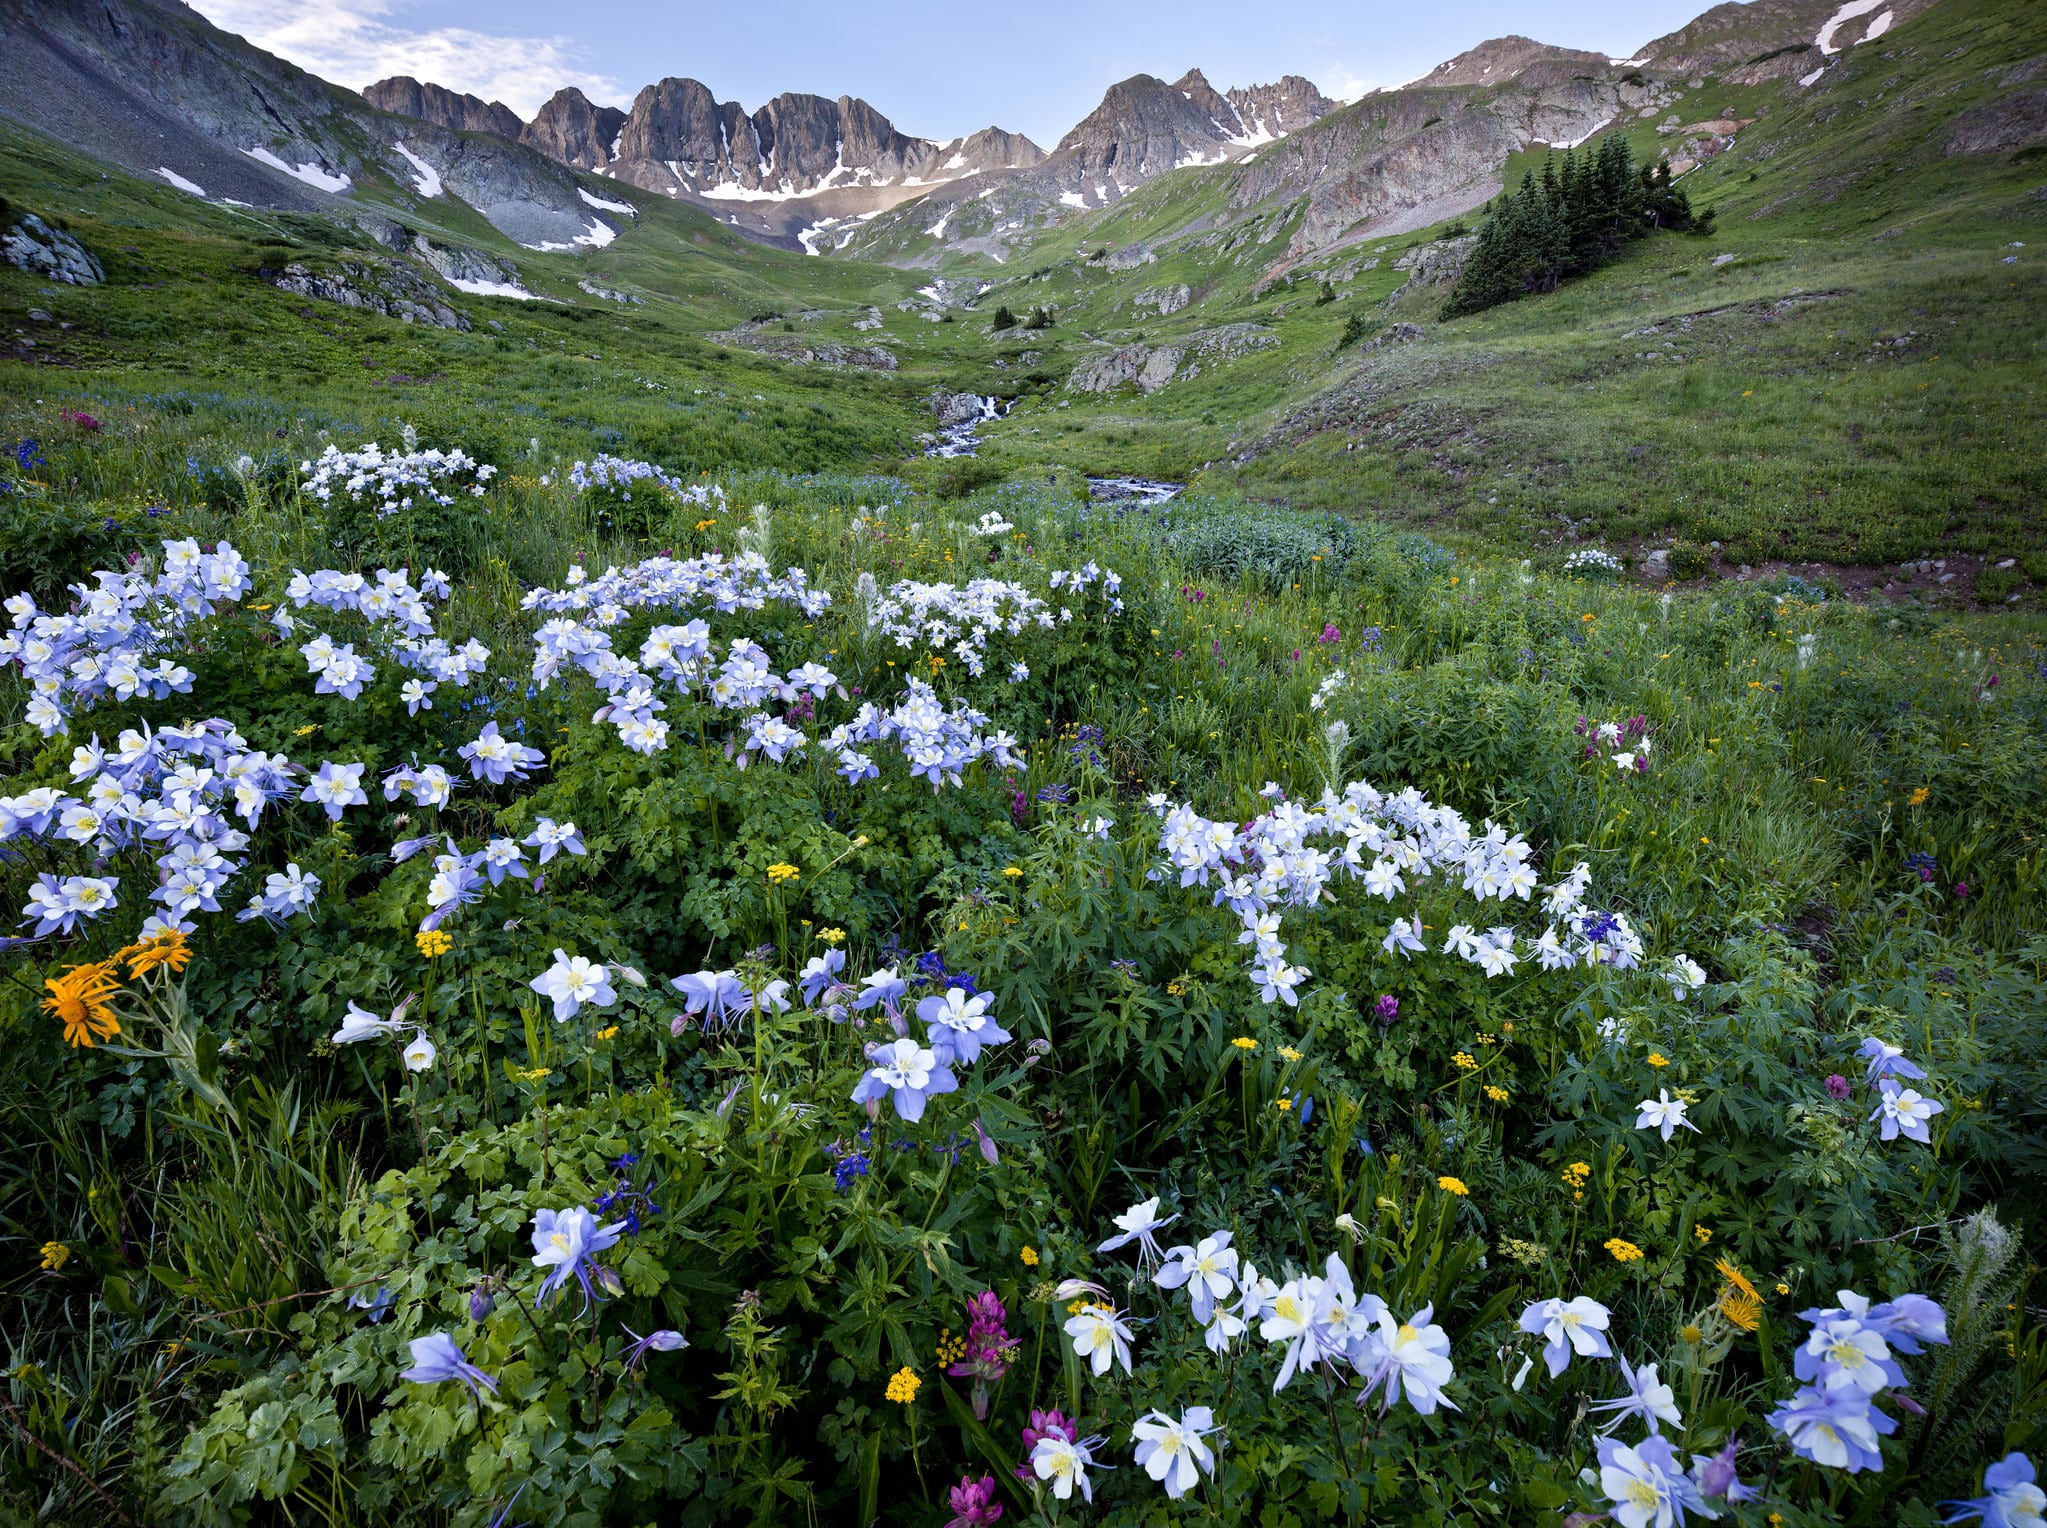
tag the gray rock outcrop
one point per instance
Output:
(384, 287)
(34, 246)
(409, 97)
(1163, 300)
(1151, 367)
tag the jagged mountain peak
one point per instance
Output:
(464, 113)
(1499, 59)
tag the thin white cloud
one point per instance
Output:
(1339, 82)
(354, 42)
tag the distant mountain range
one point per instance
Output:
(151, 85)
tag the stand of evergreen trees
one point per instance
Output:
(1569, 222)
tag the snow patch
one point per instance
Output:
(596, 236)
(726, 191)
(602, 205)
(1847, 13)
(1807, 79)
(957, 162)
(427, 180)
(1877, 28)
(312, 174)
(181, 183)
(495, 289)
(1580, 142)
(1072, 199)
(937, 229)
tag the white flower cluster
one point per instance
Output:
(962, 619)
(990, 524)
(392, 480)
(385, 598)
(937, 742)
(172, 792)
(622, 473)
(1333, 681)
(103, 647)
(1593, 559)
(745, 582)
(1289, 855)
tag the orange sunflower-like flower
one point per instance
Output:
(167, 949)
(79, 999)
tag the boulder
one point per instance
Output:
(956, 408)
(1151, 367)
(34, 246)
(1130, 257)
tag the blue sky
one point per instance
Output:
(936, 70)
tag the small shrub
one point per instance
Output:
(1689, 560)
(1995, 585)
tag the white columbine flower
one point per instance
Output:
(1663, 1113)
(1102, 1337)
(1171, 1452)
(419, 1055)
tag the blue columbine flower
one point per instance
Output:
(376, 1306)
(910, 1073)
(663, 1341)
(564, 1243)
(435, 1358)
(1835, 1428)
(2013, 1499)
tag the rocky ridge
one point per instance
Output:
(152, 86)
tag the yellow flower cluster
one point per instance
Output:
(433, 943)
(1624, 1251)
(1177, 986)
(1575, 1175)
(1463, 1062)
(1011, 871)
(1739, 1301)
(1919, 796)
(903, 1385)
(1497, 1095)
(608, 1032)
(1453, 1186)
(1704, 1234)
(779, 872)
(1245, 1043)
(1029, 1256)
(832, 936)
(55, 1256)
(951, 1349)
(1657, 1058)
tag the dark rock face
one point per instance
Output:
(2014, 121)
(34, 246)
(1731, 38)
(434, 103)
(570, 129)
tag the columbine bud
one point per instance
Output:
(628, 975)
(609, 1281)
(481, 1301)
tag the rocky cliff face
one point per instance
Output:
(1740, 41)
(1500, 59)
(152, 86)
(571, 129)
(432, 103)
(1146, 127)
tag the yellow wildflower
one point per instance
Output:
(1245, 1043)
(55, 1256)
(1704, 1234)
(79, 999)
(1691, 1334)
(1657, 1058)
(1576, 1174)
(1177, 986)
(1029, 1256)
(166, 949)
(1497, 1095)
(903, 1385)
(1624, 1251)
(780, 872)
(833, 936)
(1919, 796)
(1011, 871)
(1290, 1053)
(433, 943)
(1463, 1062)
(1284, 1103)
(1453, 1186)
(307, 730)
(607, 1033)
